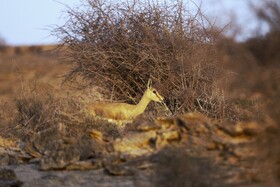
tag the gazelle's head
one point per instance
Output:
(152, 93)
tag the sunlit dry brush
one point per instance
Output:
(119, 46)
(39, 106)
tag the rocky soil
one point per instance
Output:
(188, 150)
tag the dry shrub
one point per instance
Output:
(7, 113)
(119, 46)
(39, 106)
(243, 104)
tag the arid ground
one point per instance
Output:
(222, 123)
(44, 143)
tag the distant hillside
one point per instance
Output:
(21, 64)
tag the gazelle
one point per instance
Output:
(122, 113)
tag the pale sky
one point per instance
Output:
(30, 22)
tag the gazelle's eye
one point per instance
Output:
(154, 91)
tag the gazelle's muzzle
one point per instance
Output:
(160, 98)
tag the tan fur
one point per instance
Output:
(122, 112)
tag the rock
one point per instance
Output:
(13, 156)
(119, 170)
(148, 126)
(83, 154)
(90, 147)
(227, 147)
(97, 135)
(7, 143)
(45, 140)
(250, 129)
(136, 144)
(85, 165)
(8, 178)
(7, 174)
(59, 159)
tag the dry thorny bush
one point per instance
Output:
(119, 46)
(36, 109)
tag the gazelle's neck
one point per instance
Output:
(142, 105)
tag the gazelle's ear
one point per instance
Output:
(149, 85)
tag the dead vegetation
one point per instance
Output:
(116, 48)
(119, 46)
(39, 107)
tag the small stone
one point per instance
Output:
(8, 178)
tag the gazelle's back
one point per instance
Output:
(115, 111)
